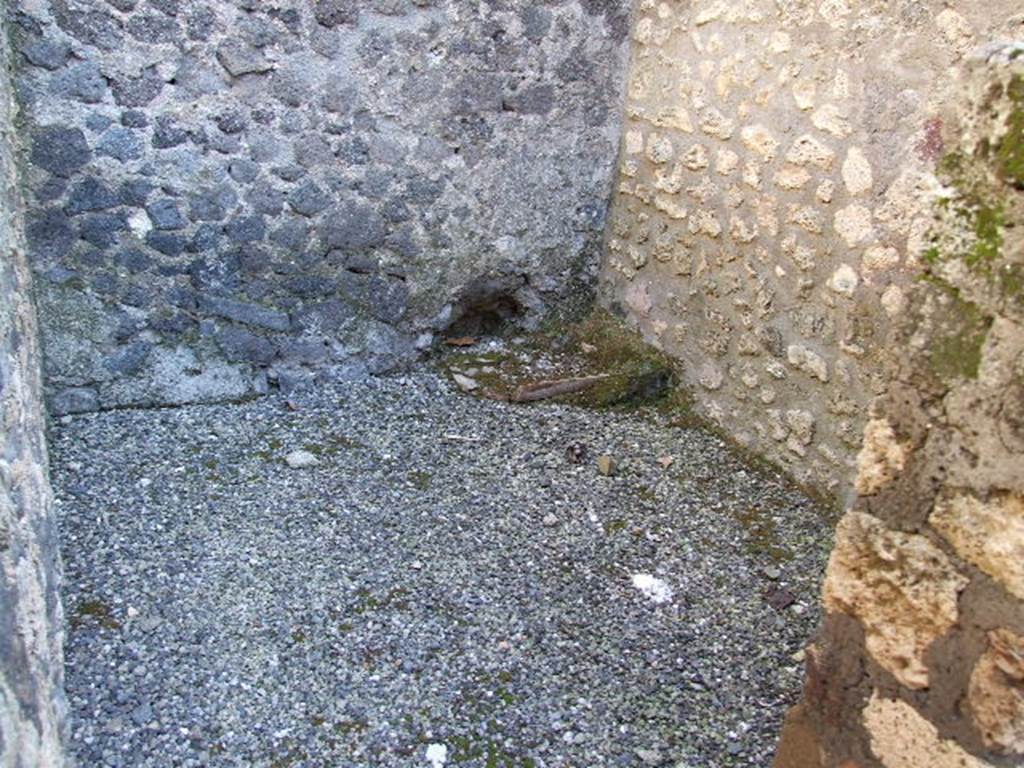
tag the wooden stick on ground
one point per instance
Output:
(543, 390)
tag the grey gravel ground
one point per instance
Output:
(444, 576)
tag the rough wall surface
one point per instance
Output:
(32, 706)
(227, 195)
(920, 662)
(767, 225)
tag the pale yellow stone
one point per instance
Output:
(726, 161)
(792, 177)
(705, 222)
(841, 85)
(759, 139)
(989, 534)
(902, 738)
(807, 150)
(879, 258)
(742, 231)
(901, 587)
(808, 361)
(956, 30)
(844, 280)
(696, 158)
(714, 123)
(639, 83)
(724, 83)
(709, 11)
(659, 149)
(803, 257)
(832, 119)
(881, 458)
(638, 298)
(670, 181)
(857, 174)
(766, 209)
(637, 257)
(676, 118)
(775, 369)
(894, 301)
(826, 191)
(642, 31)
(804, 92)
(747, 344)
(710, 377)
(634, 142)
(853, 223)
(834, 12)
(780, 42)
(996, 693)
(806, 217)
(670, 207)
(801, 426)
(752, 175)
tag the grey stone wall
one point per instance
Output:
(32, 706)
(767, 225)
(228, 195)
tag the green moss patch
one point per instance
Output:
(762, 537)
(957, 349)
(1009, 156)
(94, 612)
(632, 372)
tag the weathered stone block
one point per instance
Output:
(240, 58)
(91, 194)
(352, 226)
(121, 144)
(902, 738)
(82, 82)
(164, 214)
(988, 533)
(137, 91)
(996, 693)
(901, 587)
(247, 314)
(60, 150)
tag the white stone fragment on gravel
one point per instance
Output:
(437, 755)
(652, 588)
(301, 460)
(465, 383)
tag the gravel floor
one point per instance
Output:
(444, 583)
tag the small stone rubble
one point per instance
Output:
(453, 582)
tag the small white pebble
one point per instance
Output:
(301, 460)
(653, 588)
(437, 755)
(465, 383)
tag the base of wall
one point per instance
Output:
(798, 744)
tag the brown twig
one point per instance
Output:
(543, 390)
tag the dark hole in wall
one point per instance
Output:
(487, 305)
(487, 316)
